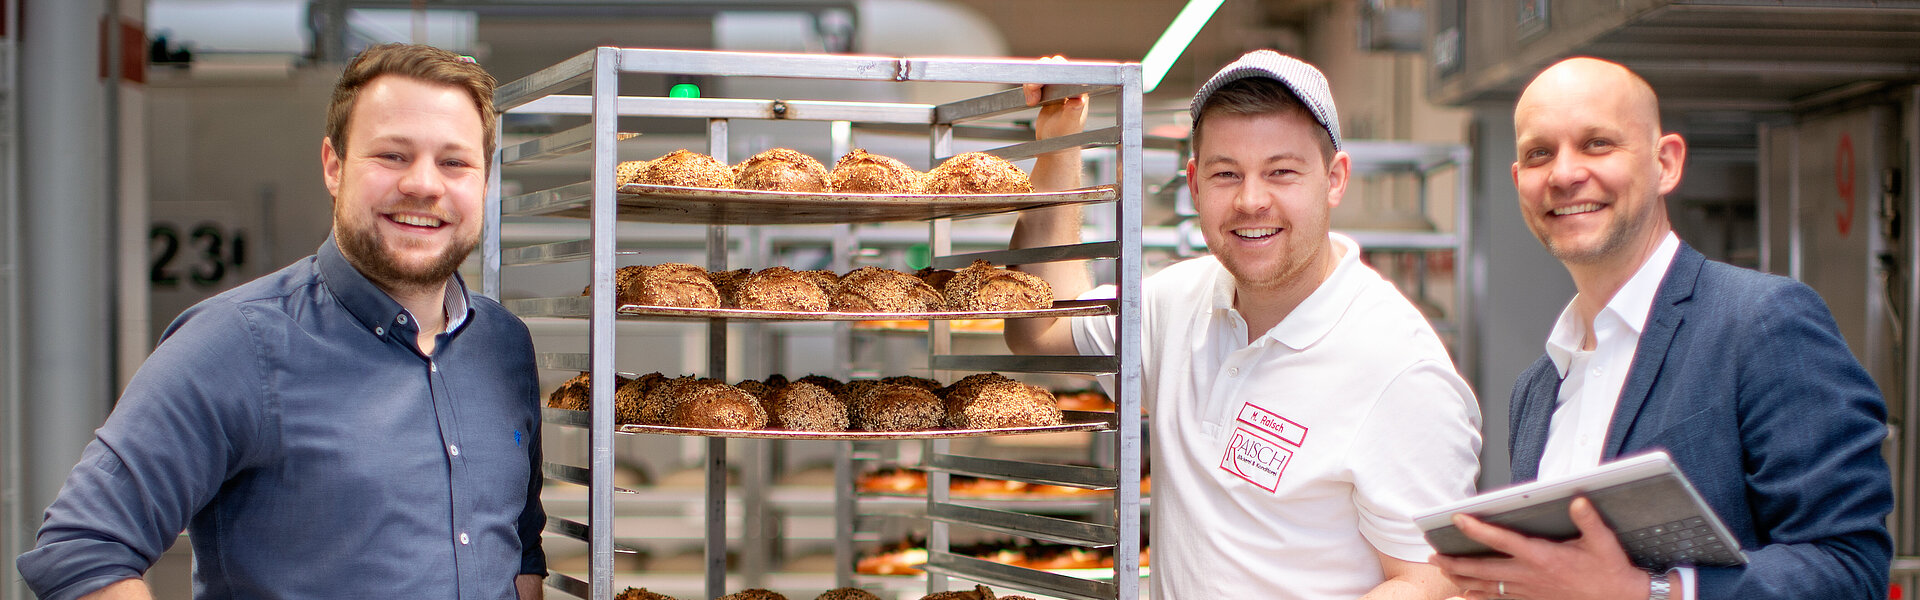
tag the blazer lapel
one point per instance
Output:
(1531, 420)
(1663, 320)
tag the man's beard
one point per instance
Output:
(366, 250)
(1619, 234)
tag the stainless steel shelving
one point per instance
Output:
(1117, 518)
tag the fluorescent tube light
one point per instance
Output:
(1174, 42)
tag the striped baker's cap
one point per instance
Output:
(1305, 81)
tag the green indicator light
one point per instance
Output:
(684, 90)
(919, 256)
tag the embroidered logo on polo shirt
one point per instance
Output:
(1256, 459)
(1258, 451)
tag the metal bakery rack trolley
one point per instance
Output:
(556, 91)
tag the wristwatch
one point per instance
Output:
(1659, 588)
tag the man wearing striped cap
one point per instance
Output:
(1301, 409)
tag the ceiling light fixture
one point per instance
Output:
(1179, 34)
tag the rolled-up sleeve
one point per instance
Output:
(183, 425)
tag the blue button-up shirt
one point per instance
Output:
(293, 428)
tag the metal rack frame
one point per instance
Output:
(599, 69)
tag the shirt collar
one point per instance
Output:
(371, 305)
(1630, 306)
(1316, 315)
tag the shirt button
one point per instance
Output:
(463, 538)
(1233, 372)
(402, 319)
(453, 449)
(379, 331)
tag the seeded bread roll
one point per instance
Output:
(847, 593)
(967, 384)
(630, 401)
(854, 389)
(827, 281)
(781, 170)
(897, 408)
(753, 594)
(629, 171)
(780, 288)
(862, 173)
(654, 404)
(711, 404)
(759, 389)
(984, 287)
(979, 592)
(873, 289)
(977, 173)
(937, 278)
(833, 385)
(994, 401)
(919, 382)
(576, 393)
(688, 169)
(633, 593)
(727, 284)
(675, 285)
(805, 407)
(571, 395)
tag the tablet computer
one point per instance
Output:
(1661, 521)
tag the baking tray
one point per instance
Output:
(1073, 421)
(1061, 308)
(708, 206)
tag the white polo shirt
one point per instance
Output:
(1280, 466)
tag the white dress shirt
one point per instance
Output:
(1590, 380)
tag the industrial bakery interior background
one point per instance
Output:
(198, 174)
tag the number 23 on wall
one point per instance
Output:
(206, 254)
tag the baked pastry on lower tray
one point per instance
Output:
(634, 593)
(978, 291)
(818, 407)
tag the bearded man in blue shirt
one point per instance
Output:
(356, 425)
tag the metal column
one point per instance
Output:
(15, 534)
(67, 270)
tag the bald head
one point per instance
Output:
(1595, 83)
(1593, 169)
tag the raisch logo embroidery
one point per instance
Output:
(1256, 459)
(1254, 455)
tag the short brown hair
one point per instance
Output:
(1259, 96)
(413, 61)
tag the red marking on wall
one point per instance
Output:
(1843, 172)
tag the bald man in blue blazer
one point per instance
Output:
(1741, 376)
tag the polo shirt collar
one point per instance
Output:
(371, 305)
(1317, 315)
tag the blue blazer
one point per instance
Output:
(1743, 377)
